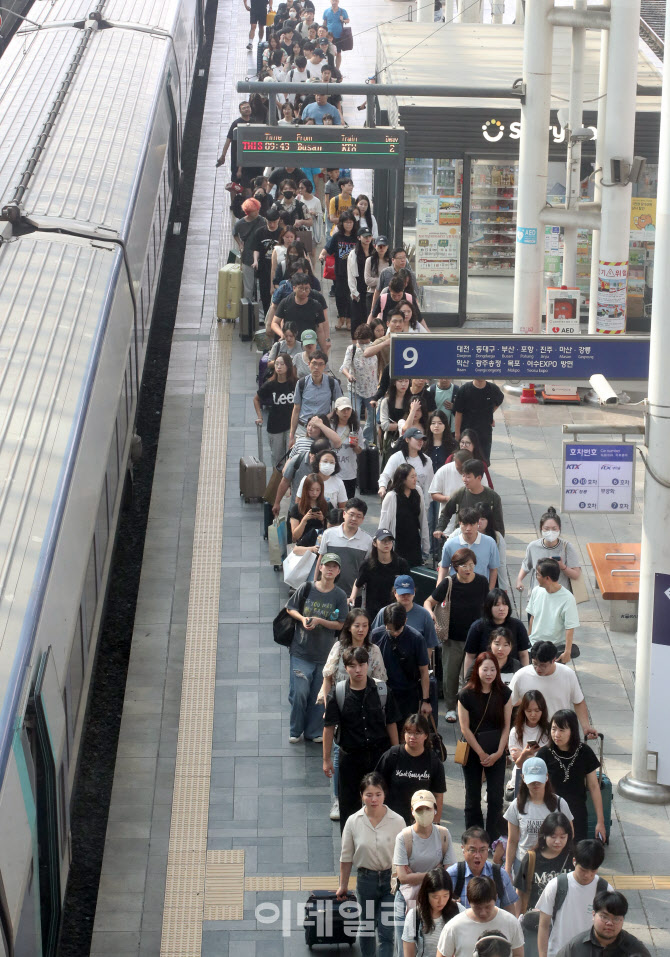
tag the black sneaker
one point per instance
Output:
(250, 46)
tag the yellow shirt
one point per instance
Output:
(339, 203)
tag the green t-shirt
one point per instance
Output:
(315, 645)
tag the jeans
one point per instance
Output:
(249, 281)
(278, 442)
(399, 913)
(433, 513)
(369, 429)
(373, 893)
(304, 683)
(495, 783)
(453, 653)
(336, 767)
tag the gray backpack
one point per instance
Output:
(341, 687)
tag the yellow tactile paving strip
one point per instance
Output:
(201, 886)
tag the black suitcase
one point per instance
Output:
(329, 921)
(368, 470)
(606, 795)
(425, 582)
(249, 312)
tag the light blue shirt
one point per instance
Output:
(332, 20)
(317, 113)
(419, 619)
(510, 895)
(485, 549)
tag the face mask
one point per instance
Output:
(549, 536)
(288, 194)
(292, 14)
(327, 468)
(424, 816)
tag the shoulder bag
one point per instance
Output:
(283, 627)
(345, 42)
(462, 752)
(443, 613)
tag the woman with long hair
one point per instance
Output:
(530, 732)
(355, 634)
(342, 241)
(413, 321)
(404, 515)
(535, 801)
(378, 573)
(308, 515)
(295, 252)
(413, 766)
(438, 445)
(379, 260)
(356, 277)
(497, 612)
(572, 767)
(345, 422)
(484, 715)
(327, 466)
(289, 345)
(277, 392)
(392, 408)
(435, 907)
(469, 441)
(362, 204)
(409, 450)
(287, 236)
(361, 372)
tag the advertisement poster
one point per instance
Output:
(427, 210)
(437, 255)
(612, 281)
(449, 212)
(643, 219)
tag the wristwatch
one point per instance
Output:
(425, 701)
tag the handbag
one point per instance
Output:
(436, 741)
(297, 568)
(443, 613)
(283, 626)
(329, 267)
(345, 41)
(270, 492)
(462, 752)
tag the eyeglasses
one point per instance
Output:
(465, 565)
(608, 918)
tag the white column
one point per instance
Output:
(574, 149)
(618, 142)
(469, 12)
(533, 156)
(518, 13)
(424, 11)
(598, 176)
(641, 784)
(497, 11)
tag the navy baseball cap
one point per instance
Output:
(404, 585)
(382, 533)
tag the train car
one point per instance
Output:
(93, 102)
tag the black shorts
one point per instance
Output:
(258, 12)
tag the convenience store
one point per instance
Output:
(461, 167)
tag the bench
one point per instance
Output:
(617, 571)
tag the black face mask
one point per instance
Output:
(288, 194)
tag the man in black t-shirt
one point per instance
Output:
(474, 408)
(265, 241)
(287, 172)
(237, 173)
(244, 232)
(306, 309)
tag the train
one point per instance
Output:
(94, 96)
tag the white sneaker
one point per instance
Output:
(451, 717)
(335, 811)
(296, 740)
(317, 740)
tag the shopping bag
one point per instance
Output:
(277, 542)
(297, 568)
(329, 267)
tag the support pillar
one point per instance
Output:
(574, 160)
(641, 783)
(618, 143)
(598, 176)
(533, 158)
(425, 10)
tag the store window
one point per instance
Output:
(492, 236)
(432, 229)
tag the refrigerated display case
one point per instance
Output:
(492, 234)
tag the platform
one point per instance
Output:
(219, 827)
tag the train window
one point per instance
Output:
(76, 672)
(63, 810)
(102, 531)
(122, 427)
(113, 470)
(68, 724)
(174, 159)
(90, 594)
(160, 215)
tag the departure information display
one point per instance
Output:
(382, 147)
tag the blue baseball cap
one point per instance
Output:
(404, 585)
(534, 770)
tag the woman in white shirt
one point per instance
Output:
(409, 451)
(315, 210)
(362, 375)
(345, 422)
(435, 907)
(362, 204)
(327, 466)
(530, 731)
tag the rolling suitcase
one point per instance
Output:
(425, 582)
(248, 319)
(277, 543)
(368, 470)
(606, 794)
(329, 921)
(229, 291)
(253, 476)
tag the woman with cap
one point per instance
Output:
(319, 609)
(361, 371)
(435, 907)
(418, 849)
(244, 232)
(345, 422)
(410, 765)
(535, 802)
(358, 289)
(409, 451)
(378, 573)
(404, 513)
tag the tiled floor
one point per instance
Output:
(266, 797)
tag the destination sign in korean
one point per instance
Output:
(520, 357)
(382, 147)
(598, 477)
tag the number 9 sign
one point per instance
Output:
(409, 357)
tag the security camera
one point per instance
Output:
(604, 391)
(582, 134)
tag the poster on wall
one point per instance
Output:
(611, 312)
(437, 255)
(643, 219)
(427, 207)
(449, 212)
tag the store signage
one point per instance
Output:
(611, 311)
(598, 477)
(382, 147)
(526, 235)
(520, 357)
(493, 131)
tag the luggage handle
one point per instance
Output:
(601, 736)
(259, 429)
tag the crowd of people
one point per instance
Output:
(385, 623)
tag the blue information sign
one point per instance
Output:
(598, 477)
(520, 357)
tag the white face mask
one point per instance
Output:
(327, 468)
(549, 535)
(292, 14)
(424, 816)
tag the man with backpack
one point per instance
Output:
(314, 395)
(343, 200)
(475, 849)
(364, 712)
(566, 904)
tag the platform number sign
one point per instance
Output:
(598, 477)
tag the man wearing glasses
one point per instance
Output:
(606, 936)
(475, 863)
(483, 546)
